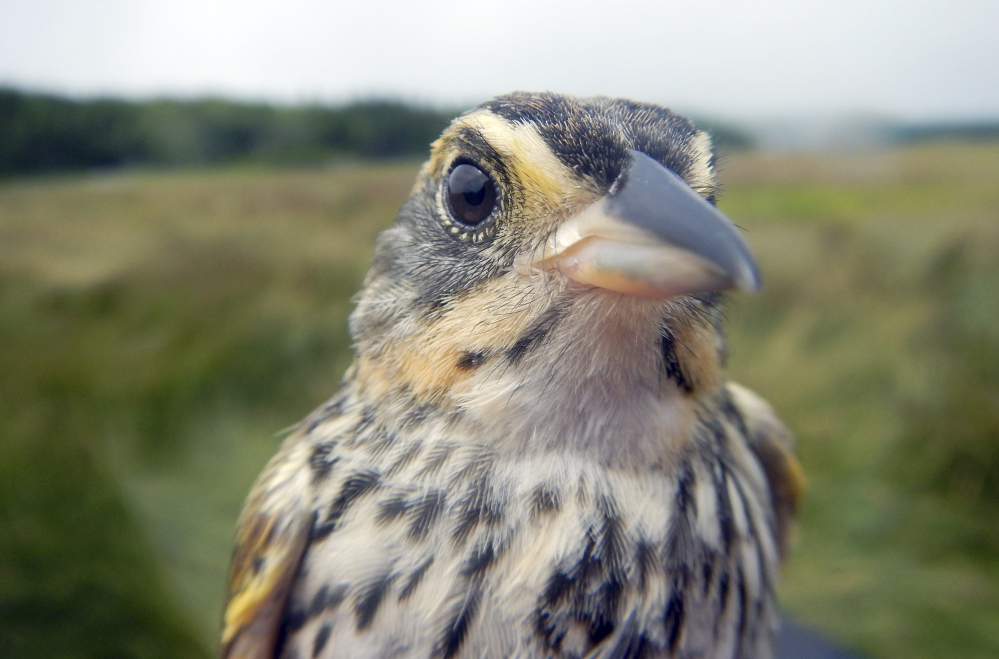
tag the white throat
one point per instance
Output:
(596, 384)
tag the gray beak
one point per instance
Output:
(652, 236)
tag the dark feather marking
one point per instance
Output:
(707, 573)
(321, 462)
(380, 441)
(480, 560)
(319, 532)
(713, 424)
(723, 592)
(684, 497)
(468, 514)
(646, 562)
(424, 511)
(295, 618)
(611, 549)
(680, 550)
(671, 363)
(417, 415)
(475, 509)
(470, 360)
(474, 506)
(356, 485)
(366, 421)
(674, 618)
(318, 601)
(740, 589)
(391, 508)
(435, 309)
(680, 541)
(414, 579)
(536, 333)
(477, 468)
(333, 598)
(550, 614)
(726, 519)
(589, 590)
(322, 636)
(754, 534)
(608, 553)
(545, 500)
(629, 642)
(460, 619)
(369, 598)
(731, 412)
(558, 587)
(407, 456)
(436, 458)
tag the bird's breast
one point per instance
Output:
(434, 546)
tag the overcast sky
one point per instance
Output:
(915, 59)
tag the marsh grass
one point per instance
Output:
(158, 330)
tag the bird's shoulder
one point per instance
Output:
(271, 537)
(773, 446)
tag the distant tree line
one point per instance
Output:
(41, 133)
(45, 133)
(974, 131)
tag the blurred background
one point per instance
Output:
(189, 192)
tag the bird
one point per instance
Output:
(536, 451)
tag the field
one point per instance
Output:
(158, 330)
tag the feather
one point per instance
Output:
(773, 445)
(270, 540)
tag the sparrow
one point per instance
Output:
(535, 452)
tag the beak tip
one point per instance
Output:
(748, 279)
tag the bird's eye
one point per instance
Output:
(471, 194)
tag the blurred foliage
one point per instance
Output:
(970, 131)
(157, 330)
(870, 340)
(137, 316)
(726, 137)
(951, 439)
(43, 133)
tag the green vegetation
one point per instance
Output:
(42, 133)
(158, 330)
(875, 339)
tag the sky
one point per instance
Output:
(916, 60)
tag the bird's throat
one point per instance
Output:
(611, 375)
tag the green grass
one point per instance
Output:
(158, 330)
(876, 339)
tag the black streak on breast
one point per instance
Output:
(356, 485)
(369, 599)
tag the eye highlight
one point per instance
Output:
(470, 194)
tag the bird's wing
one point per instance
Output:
(773, 445)
(270, 540)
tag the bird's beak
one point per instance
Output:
(651, 236)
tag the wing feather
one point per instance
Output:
(271, 537)
(773, 445)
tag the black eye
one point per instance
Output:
(471, 194)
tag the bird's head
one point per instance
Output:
(558, 261)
